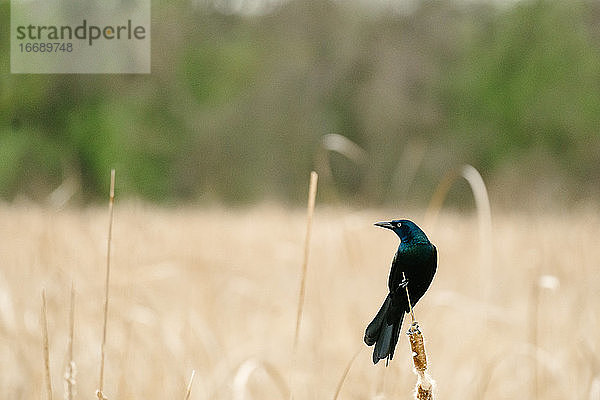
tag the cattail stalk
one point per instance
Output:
(312, 194)
(46, 346)
(111, 202)
(70, 370)
(424, 388)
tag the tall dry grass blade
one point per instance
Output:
(437, 200)
(70, 371)
(245, 371)
(345, 374)
(46, 346)
(111, 202)
(63, 193)
(484, 217)
(340, 144)
(312, 194)
(406, 171)
(189, 386)
(240, 381)
(539, 283)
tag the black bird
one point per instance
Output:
(417, 258)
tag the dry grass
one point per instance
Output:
(70, 369)
(44, 323)
(111, 202)
(188, 390)
(217, 290)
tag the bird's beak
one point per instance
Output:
(385, 225)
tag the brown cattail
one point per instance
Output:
(424, 389)
(418, 347)
(423, 394)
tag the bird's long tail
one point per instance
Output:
(384, 330)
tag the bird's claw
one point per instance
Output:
(404, 283)
(413, 329)
(401, 287)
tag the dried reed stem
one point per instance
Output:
(340, 144)
(111, 202)
(189, 386)
(484, 216)
(70, 370)
(312, 194)
(424, 388)
(437, 200)
(249, 367)
(46, 346)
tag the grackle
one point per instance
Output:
(417, 258)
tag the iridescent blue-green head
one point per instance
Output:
(407, 231)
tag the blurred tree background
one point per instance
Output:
(243, 94)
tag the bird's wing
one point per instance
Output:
(401, 263)
(418, 284)
(433, 262)
(394, 270)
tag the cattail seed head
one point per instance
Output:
(418, 349)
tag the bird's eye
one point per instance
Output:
(399, 224)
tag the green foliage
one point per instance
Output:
(236, 106)
(527, 82)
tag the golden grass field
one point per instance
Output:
(216, 290)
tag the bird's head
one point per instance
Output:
(406, 230)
